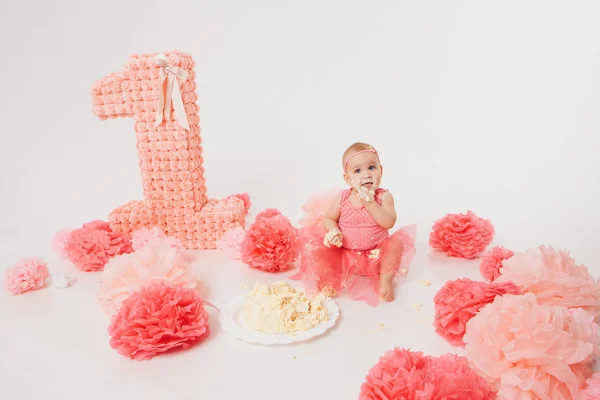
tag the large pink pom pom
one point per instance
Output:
(28, 274)
(272, 243)
(532, 351)
(402, 374)
(231, 243)
(59, 242)
(157, 319)
(592, 390)
(461, 235)
(491, 262)
(554, 278)
(91, 246)
(460, 300)
(156, 261)
(316, 207)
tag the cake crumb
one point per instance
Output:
(418, 306)
(425, 282)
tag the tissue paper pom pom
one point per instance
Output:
(592, 390)
(231, 243)
(272, 243)
(532, 351)
(316, 207)
(59, 242)
(402, 374)
(554, 278)
(28, 274)
(156, 319)
(459, 300)
(461, 235)
(91, 246)
(491, 262)
(245, 198)
(126, 273)
(155, 236)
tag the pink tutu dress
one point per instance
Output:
(367, 250)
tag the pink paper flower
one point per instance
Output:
(491, 262)
(28, 274)
(554, 278)
(272, 243)
(592, 389)
(402, 374)
(231, 243)
(59, 242)
(154, 236)
(461, 235)
(460, 300)
(528, 350)
(90, 247)
(156, 261)
(316, 207)
(156, 319)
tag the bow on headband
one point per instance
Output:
(173, 93)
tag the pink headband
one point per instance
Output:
(370, 149)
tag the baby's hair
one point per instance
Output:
(354, 148)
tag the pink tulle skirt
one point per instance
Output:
(356, 272)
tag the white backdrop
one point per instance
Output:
(482, 105)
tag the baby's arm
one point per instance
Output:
(384, 214)
(330, 223)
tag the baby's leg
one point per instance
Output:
(390, 262)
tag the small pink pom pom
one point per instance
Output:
(245, 198)
(316, 207)
(461, 235)
(460, 300)
(28, 274)
(157, 319)
(491, 262)
(231, 243)
(59, 242)
(155, 236)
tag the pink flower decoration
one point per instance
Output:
(402, 374)
(28, 274)
(592, 390)
(491, 262)
(154, 236)
(554, 278)
(271, 244)
(156, 319)
(460, 300)
(91, 246)
(461, 235)
(533, 351)
(316, 207)
(231, 243)
(245, 198)
(59, 242)
(156, 261)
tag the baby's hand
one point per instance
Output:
(365, 195)
(333, 237)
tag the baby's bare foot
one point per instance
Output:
(386, 287)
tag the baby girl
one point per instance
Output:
(353, 249)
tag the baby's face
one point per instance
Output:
(363, 170)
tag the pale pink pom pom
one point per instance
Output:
(461, 235)
(460, 300)
(403, 374)
(156, 261)
(28, 274)
(491, 262)
(592, 390)
(554, 278)
(245, 198)
(231, 243)
(533, 351)
(90, 247)
(156, 319)
(155, 236)
(272, 243)
(316, 207)
(59, 242)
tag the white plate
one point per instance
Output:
(233, 321)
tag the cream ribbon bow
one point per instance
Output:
(174, 76)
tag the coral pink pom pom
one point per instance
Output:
(532, 351)
(402, 374)
(59, 242)
(91, 246)
(491, 262)
(461, 235)
(156, 319)
(245, 198)
(231, 243)
(592, 390)
(554, 278)
(316, 207)
(28, 274)
(271, 244)
(460, 300)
